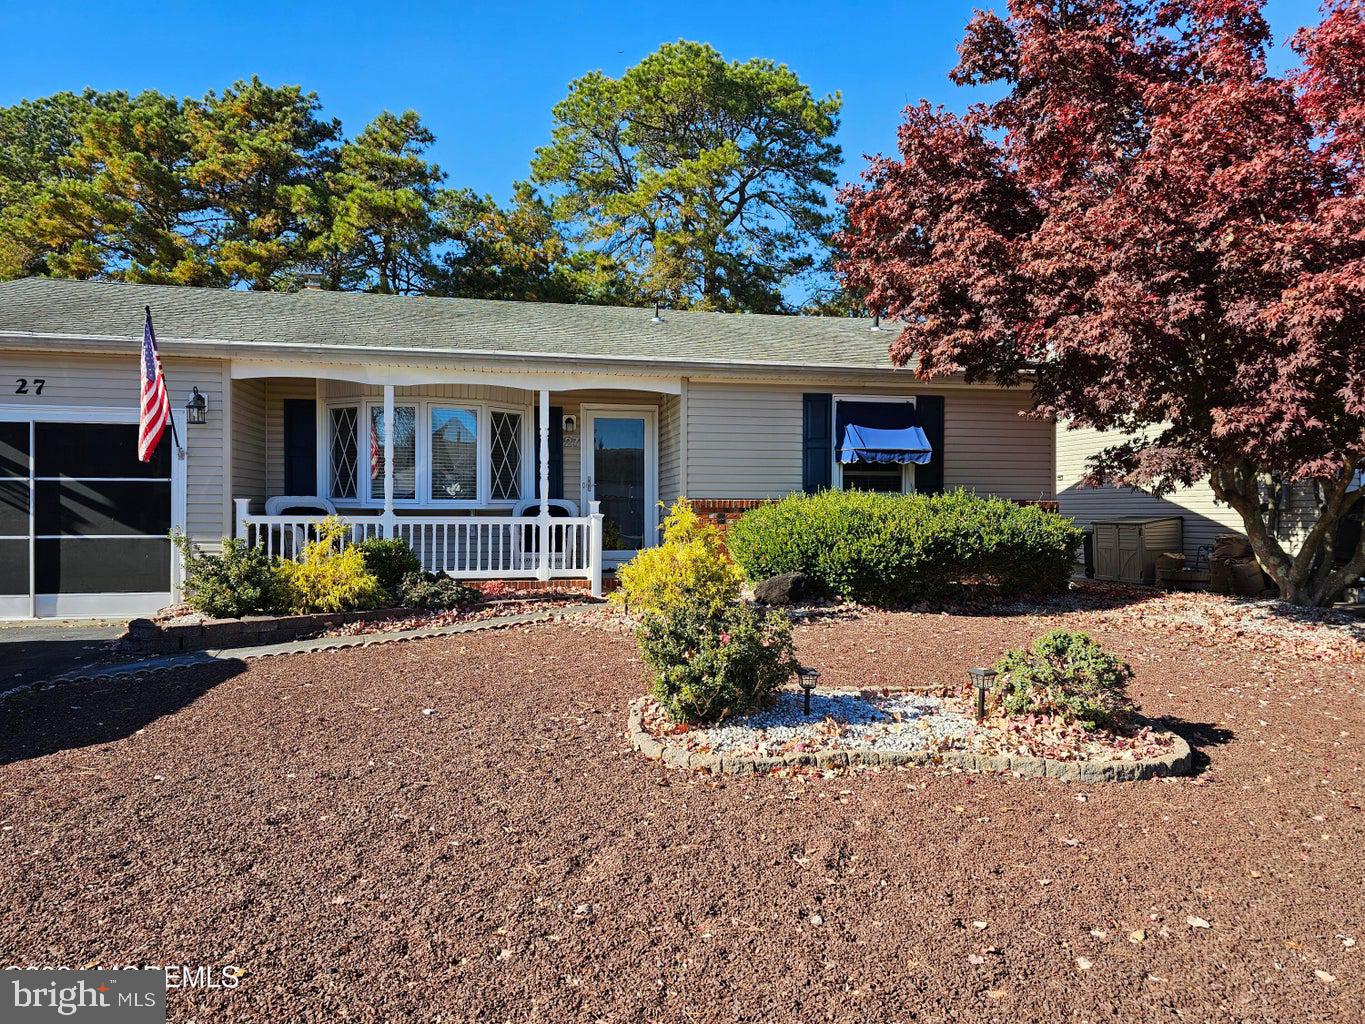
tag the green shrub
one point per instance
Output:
(708, 666)
(241, 580)
(389, 561)
(890, 549)
(430, 592)
(690, 569)
(330, 577)
(1067, 675)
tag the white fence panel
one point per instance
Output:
(466, 547)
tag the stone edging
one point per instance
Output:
(163, 663)
(676, 755)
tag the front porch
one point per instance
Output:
(560, 481)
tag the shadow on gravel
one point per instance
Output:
(68, 716)
(1199, 735)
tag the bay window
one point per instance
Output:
(465, 454)
(454, 454)
(404, 452)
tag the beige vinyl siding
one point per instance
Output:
(744, 440)
(1204, 516)
(98, 381)
(248, 438)
(670, 449)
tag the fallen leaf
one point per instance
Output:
(979, 925)
(1083, 963)
(973, 958)
(1324, 976)
(1138, 935)
(1197, 922)
(1099, 933)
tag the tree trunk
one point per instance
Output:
(1311, 576)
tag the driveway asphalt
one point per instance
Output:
(36, 650)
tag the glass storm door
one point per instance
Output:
(620, 469)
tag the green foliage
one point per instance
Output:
(123, 207)
(241, 580)
(689, 570)
(703, 179)
(389, 561)
(1067, 675)
(330, 577)
(36, 137)
(257, 156)
(431, 591)
(889, 549)
(383, 211)
(708, 666)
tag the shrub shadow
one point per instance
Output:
(69, 716)
(1200, 736)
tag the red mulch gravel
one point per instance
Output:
(507, 857)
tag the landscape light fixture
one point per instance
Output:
(196, 407)
(982, 678)
(809, 679)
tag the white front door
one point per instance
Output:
(619, 467)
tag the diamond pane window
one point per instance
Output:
(343, 452)
(505, 454)
(454, 454)
(404, 452)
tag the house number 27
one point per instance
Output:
(22, 385)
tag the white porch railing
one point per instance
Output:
(466, 546)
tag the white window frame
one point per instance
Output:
(837, 474)
(424, 497)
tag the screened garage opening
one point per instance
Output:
(84, 526)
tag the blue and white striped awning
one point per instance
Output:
(880, 432)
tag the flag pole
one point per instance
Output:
(170, 414)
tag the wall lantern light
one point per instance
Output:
(196, 407)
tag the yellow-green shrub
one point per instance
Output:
(690, 570)
(329, 577)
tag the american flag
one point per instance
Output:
(156, 404)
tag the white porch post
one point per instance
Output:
(388, 520)
(543, 569)
(595, 547)
(243, 508)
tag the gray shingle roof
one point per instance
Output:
(101, 309)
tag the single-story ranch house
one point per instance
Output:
(281, 400)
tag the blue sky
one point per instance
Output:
(484, 76)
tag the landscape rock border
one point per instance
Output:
(1176, 761)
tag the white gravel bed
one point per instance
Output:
(843, 718)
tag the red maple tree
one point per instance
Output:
(1165, 238)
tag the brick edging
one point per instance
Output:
(676, 755)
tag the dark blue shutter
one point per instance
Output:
(300, 446)
(817, 442)
(929, 477)
(556, 451)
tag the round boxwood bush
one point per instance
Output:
(894, 549)
(390, 561)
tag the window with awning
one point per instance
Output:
(883, 433)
